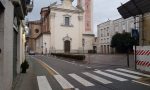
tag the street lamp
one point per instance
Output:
(45, 48)
(42, 49)
(83, 44)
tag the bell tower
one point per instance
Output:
(87, 5)
(67, 2)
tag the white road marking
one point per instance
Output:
(124, 74)
(99, 79)
(133, 72)
(89, 67)
(63, 82)
(43, 83)
(141, 83)
(81, 80)
(96, 69)
(81, 65)
(110, 76)
(76, 89)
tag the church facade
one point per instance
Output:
(70, 28)
(66, 28)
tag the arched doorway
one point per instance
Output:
(67, 46)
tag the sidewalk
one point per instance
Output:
(108, 59)
(26, 81)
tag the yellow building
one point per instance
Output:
(145, 30)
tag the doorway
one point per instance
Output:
(67, 46)
(14, 54)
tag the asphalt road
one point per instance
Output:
(69, 75)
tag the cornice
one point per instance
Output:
(66, 10)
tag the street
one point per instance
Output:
(70, 75)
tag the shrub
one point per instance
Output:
(24, 66)
(91, 51)
(71, 56)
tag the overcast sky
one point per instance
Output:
(103, 10)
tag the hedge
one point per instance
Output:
(71, 56)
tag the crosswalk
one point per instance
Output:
(102, 77)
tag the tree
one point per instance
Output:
(122, 42)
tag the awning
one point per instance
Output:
(134, 7)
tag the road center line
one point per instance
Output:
(47, 66)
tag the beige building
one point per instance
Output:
(43, 39)
(145, 30)
(12, 40)
(107, 29)
(34, 32)
(64, 27)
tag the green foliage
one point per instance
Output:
(71, 56)
(24, 66)
(122, 42)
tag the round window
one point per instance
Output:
(37, 30)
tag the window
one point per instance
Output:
(67, 20)
(107, 40)
(36, 30)
(107, 34)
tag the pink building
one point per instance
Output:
(88, 36)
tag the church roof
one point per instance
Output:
(60, 7)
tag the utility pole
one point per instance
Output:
(135, 43)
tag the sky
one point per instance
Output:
(103, 10)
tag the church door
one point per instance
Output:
(67, 46)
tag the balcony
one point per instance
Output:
(22, 7)
(30, 6)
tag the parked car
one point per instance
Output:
(31, 53)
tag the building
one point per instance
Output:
(88, 36)
(34, 32)
(108, 29)
(43, 39)
(105, 33)
(65, 28)
(12, 39)
(66, 25)
(145, 30)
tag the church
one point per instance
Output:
(66, 28)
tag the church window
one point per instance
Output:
(67, 20)
(36, 30)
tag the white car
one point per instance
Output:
(31, 53)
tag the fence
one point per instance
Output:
(143, 58)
